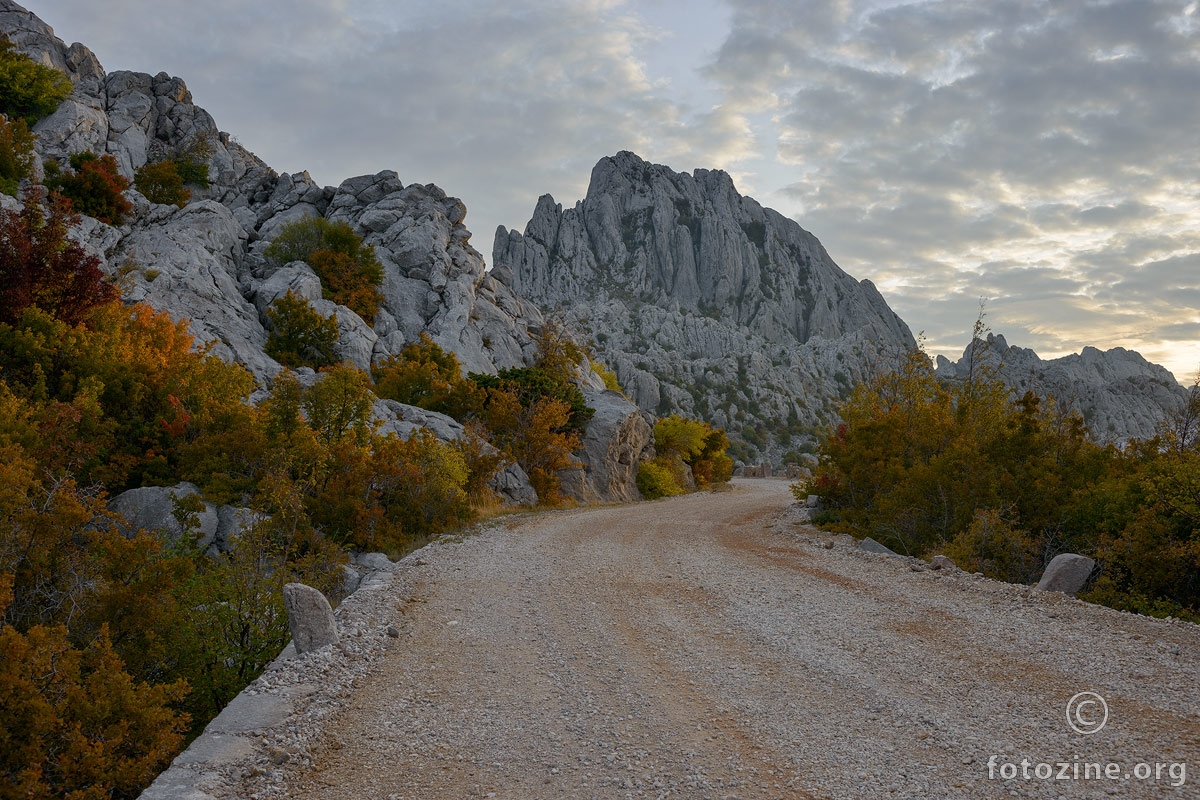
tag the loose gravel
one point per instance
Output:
(713, 646)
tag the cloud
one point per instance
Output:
(1041, 154)
(497, 103)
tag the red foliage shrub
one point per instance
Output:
(40, 266)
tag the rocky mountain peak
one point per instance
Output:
(703, 300)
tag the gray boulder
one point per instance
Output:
(232, 522)
(297, 278)
(872, 546)
(940, 562)
(356, 339)
(351, 578)
(310, 617)
(616, 440)
(373, 562)
(403, 420)
(1066, 573)
(152, 508)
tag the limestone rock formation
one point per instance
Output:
(615, 441)
(310, 617)
(152, 508)
(1120, 394)
(703, 301)
(204, 262)
(1066, 573)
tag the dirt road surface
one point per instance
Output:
(708, 647)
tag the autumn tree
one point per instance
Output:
(423, 374)
(123, 395)
(74, 723)
(338, 407)
(40, 266)
(299, 335)
(349, 270)
(1000, 484)
(16, 154)
(534, 430)
(93, 184)
(161, 182)
(690, 454)
(1148, 518)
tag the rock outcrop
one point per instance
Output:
(615, 441)
(157, 509)
(1120, 394)
(703, 301)
(204, 262)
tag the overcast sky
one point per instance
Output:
(1042, 155)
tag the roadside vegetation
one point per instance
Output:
(690, 456)
(1001, 484)
(116, 646)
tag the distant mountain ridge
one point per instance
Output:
(708, 304)
(1120, 394)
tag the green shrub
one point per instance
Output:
(608, 376)
(301, 337)
(656, 479)
(191, 162)
(29, 90)
(338, 407)
(16, 154)
(425, 375)
(696, 444)
(161, 182)
(349, 270)
(94, 187)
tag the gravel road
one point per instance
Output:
(709, 646)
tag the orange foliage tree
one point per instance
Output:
(94, 185)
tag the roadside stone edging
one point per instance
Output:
(250, 735)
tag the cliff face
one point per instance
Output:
(1121, 395)
(204, 262)
(703, 301)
